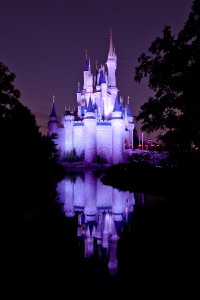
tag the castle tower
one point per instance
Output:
(53, 121)
(85, 72)
(89, 84)
(130, 124)
(100, 128)
(118, 128)
(112, 65)
(90, 126)
(68, 123)
(78, 94)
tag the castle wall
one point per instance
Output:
(60, 141)
(104, 141)
(79, 137)
(102, 130)
(90, 139)
(117, 140)
(69, 145)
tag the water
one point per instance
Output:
(95, 237)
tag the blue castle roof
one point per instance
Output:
(117, 106)
(90, 107)
(78, 89)
(53, 111)
(128, 109)
(102, 78)
(86, 67)
(83, 110)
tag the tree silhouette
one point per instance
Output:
(172, 66)
(28, 159)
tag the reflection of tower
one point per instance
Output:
(103, 196)
(118, 202)
(79, 194)
(102, 213)
(107, 221)
(99, 229)
(89, 241)
(65, 189)
(90, 213)
(90, 199)
(113, 263)
(129, 207)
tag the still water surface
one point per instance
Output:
(97, 238)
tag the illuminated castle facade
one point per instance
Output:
(101, 127)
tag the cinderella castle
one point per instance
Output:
(101, 127)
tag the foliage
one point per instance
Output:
(172, 67)
(135, 139)
(72, 156)
(100, 159)
(28, 159)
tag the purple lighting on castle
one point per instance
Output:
(100, 128)
(102, 212)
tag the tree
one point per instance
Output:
(172, 67)
(28, 159)
(21, 140)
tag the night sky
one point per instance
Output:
(44, 42)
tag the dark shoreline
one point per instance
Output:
(146, 178)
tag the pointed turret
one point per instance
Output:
(53, 110)
(86, 66)
(129, 118)
(128, 108)
(78, 89)
(112, 65)
(96, 77)
(85, 73)
(121, 103)
(78, 94)
(117, 113)
(89, 79)
(117, 105)
(90, 106)
(53, 122)
(102, 78)
(89, 67)
(111, 51)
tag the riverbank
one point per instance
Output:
(82, 166)
(147, 178)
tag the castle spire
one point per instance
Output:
(111, 67)
(128, 108)
(89, 67)
(78, 89)
(53, 122)
(90, 106)
(86, 62)
(53, 110)
(111, 43)
(117, 105)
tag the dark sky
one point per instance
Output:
(44, 41)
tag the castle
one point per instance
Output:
(101, 127)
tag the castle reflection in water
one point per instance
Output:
(102, 213)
